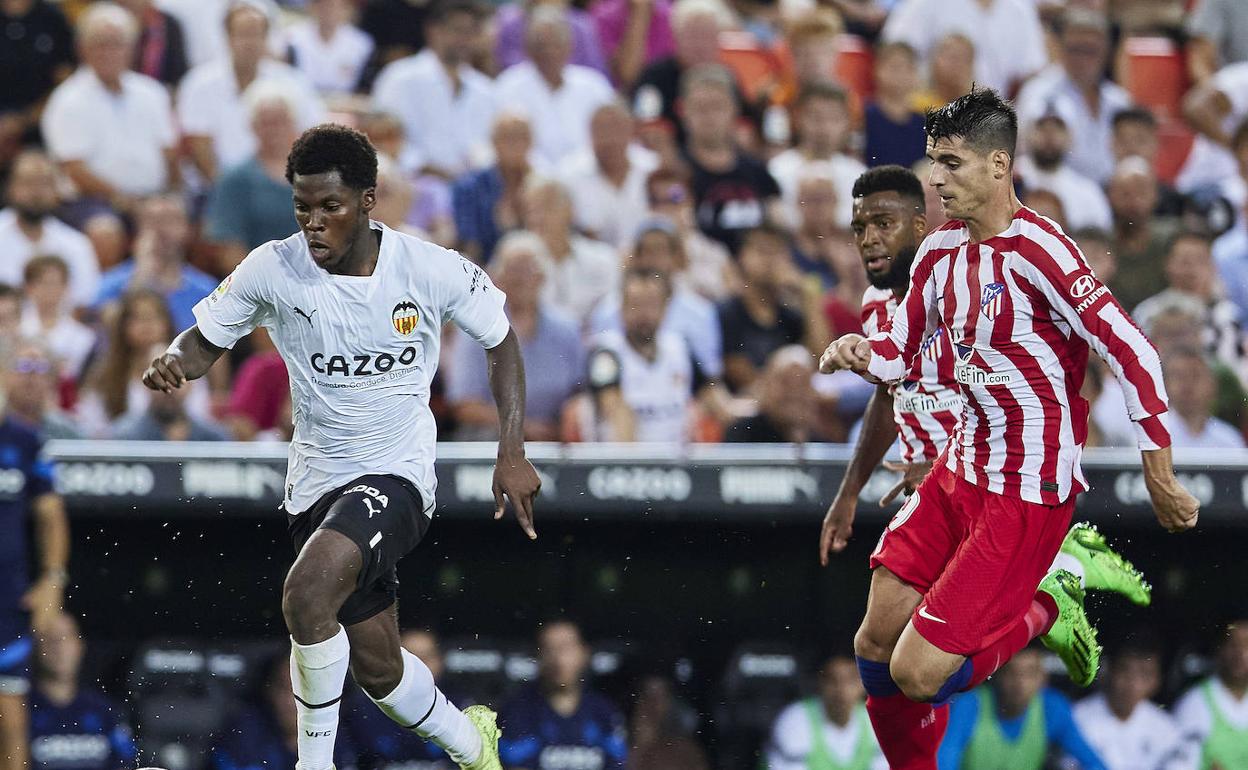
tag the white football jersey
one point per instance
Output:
(361, 352)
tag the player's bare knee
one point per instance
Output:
(377, 676)
(871, 646)
(307, 609)
(913, 680)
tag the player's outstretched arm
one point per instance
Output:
(1177, 509)
(850, 351)
(188, 357)
(514, 475)
(877, 435)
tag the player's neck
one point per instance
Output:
(362, 260)
(993, 218)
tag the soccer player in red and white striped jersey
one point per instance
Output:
(954, 592)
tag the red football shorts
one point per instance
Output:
(976, 556)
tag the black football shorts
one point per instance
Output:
(384, 516)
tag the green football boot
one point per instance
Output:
(1104, 569)
(486, 722)
(1072, 636)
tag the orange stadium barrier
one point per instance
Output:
(1155, 74)
(757, 69)
(855, 65)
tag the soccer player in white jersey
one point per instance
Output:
(356, 311)
(954, 591)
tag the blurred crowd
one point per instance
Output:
(662, 188)
(566, 706)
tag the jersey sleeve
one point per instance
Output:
(895, 345)
(239, 304)
(474, 303)
(874, 314)
(1062, 276)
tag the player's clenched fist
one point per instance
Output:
(1177, 509)
(851, 351)
(165, 373)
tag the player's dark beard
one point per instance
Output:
(898, 275)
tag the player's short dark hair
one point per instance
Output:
(441, 10)
(891, 178)
(821, 89)
(333, 147)
(981, 118)
(1133, 114)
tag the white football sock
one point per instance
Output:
(316, 675)
(418, 705)
(1070, 564)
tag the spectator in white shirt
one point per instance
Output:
(1121, 722)
(1213, 715)
(823, 126)
(111, 129)
(582, 270)
(210, 103)
(1045, 166)
(446, 106)
(27, 228)
(1192, 389)
(610, 177)
(558, 97)
(1008, 36)
(328, 48)
(47, 315)
(832, 725)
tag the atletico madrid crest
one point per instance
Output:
(405, 317)
(990, 302)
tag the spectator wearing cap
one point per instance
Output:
(708, 267)
(210, 98)
(823, 127)
(327, 48)
(657, 250)
(893, 128)
(609, 177)
(487, 202)
(161, 51)
(446, 107)
(1045, 166)
(559, 97)
(1134, 132)
(1076, 89)
(47, 315)
(549, 339)
(1140, 236)
(111, 130)
(512, 21)
(28, 228)
(39, 54)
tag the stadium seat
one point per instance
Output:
(1154, 73)
(855, 66)
(757, 69)
(760, 680)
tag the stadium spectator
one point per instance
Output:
(775, 308)
(487, 202)
(1193, 392)
(696, 25)
(812, 38)
(893, 128)
(395, 197)
(161, 50)
(708, 267)
(446, 107)
(28, 228)
(30, 390)
(1134, 132)
(327, 48)
(260, 391)
(162, 238)
(37, 56)
(1013, 720)
(1075, 88)
(823, 126)
(558, 723)
(1121, 722)
(111, 130)
(1140, 237)
(112, 387)
(263, 733)
(73, 727)
(787, 406)
(550, 340)
(609, 177)
(203, 25)
(1095, 247)
(558, 96)
(166, 419)
(397, 29)
(1046, 203)
(250, 204)
(732, 190)
(1213, 715)
(643, 381)
(951, 72)
(660, 720)
(1214, 109)
(580, 271)
(1217, 34)
(1045, 166)
(830, 729)
(821, 246)
(213, 116)
(657, 249)
(633, 35)
(513, 21)
(1231, 256)
(107, 234)
(47, 315)
(1008, 36)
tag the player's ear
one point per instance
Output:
(368, 199)
(919, 223)
(1001, 162)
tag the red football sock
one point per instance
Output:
(1038, 619)
(909, 733)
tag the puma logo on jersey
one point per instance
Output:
(368, 503)
(307, 316)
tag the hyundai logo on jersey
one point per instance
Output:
(990, 301)
(405, 317)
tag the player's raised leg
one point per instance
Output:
(402, 687)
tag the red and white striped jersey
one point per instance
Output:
(1021, 309)
(927, 402)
